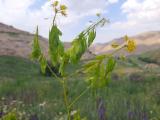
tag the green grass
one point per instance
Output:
(12, 34)
(124, 99)
(151, 57)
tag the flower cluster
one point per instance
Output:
(58, 8)
(131, 45)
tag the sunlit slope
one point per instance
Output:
(145, 42)
(16, 42)
(151, 56)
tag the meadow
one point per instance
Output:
(132, 94)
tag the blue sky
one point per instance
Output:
(126, 16)
(115, 13)
(37, 6)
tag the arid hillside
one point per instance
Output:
(17, 42)
(147, 41)
(14, 42)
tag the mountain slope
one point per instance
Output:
(145, 42)
(16, 42)
(151, 57)
(19, 43)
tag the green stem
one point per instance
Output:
(65, 93)
(53, 74)
(94, 25)
(78, 97)
(54, 18)
(118, 49)
(63, 82)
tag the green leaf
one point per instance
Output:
(36, 50)
(126, 38)
(10, 116)
(63, 64)
(56, 48)
(43, 64)
(102, 79)
(100, 57)
(76, 116)
(98, 72)
(78, 48)
(110, 65)
(60, 48)
(89, 64)
(90, 67)
(105, 80)
(91, 37)
(81, 43)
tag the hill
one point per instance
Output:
(16, 42)
(147, 41)
(152, 56)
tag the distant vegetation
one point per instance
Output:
(151, 57)
(12, 34)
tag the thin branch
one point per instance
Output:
(53, 74)
(77, 98)
(94, 25)
(54, 18)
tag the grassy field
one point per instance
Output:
(133, 94)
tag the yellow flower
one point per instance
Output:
(63, 12)
(98, 15)
(131, 45)
(55, 3)
(63, 7)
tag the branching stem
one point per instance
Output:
(78, 97)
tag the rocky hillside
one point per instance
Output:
(16, 42)
(147, 41)
(19, 43)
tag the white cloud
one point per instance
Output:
(112, 1)
(18, 13)
(141, 16)
(142, 11)
(13, 9)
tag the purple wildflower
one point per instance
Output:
(130, 115)
(101, 109)
(34, 117)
